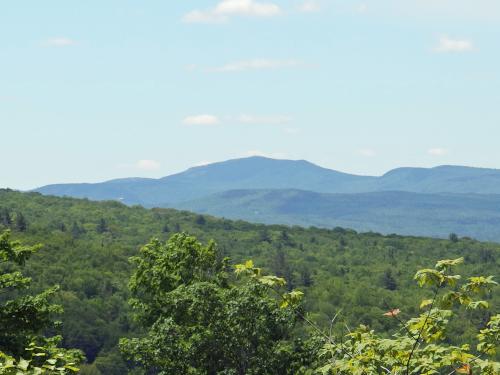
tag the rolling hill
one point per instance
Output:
(414, 201)
(254, 172)
(338, 269)
(406, 213)
(265, 173)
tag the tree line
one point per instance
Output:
(362, 275)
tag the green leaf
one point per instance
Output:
(23, 364)
(446, 264)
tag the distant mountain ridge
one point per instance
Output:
(410, 201)
(265, 173)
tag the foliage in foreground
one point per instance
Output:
(200, 319)
(203, 320)
(23, 317)
(420, 345)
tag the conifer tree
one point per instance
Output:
(21, 223)
(102, 226)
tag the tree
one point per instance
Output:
(453, 237)
(21, 223)
(111, 363)
(202, 319)
(388, 280)
(76, 230)
(102, 226)
(200, 220)
(23, 317)
(306, 277)
(285, 238)
(281, 267)
(265, 236)
(5, 217)
(420, 346)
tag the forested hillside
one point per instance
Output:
(87, 246)
(405, 213)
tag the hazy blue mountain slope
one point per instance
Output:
(264, 173)
(407, 213)
(128, 190)
(445, 178)
(253, 172)
(416, 201)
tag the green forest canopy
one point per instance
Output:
(87, 246)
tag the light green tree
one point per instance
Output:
(23, 317)
(419, 347)
(203, 319)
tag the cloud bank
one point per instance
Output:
(226, 9)
(59, 42)
(447, 44)
(201, 120)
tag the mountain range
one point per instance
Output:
(413, 201)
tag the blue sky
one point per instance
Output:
(93, 90)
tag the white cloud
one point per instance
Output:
(59, 42)
(447, 44)
(201, 120)
(256, 64)
(367, 152)
(225, 9)
(148, 165)
(269, 120)
(245, 119)
(437, 151)
(247, 7)
(310, 6)
(362, 8)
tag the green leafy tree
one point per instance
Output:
(111, 363)
(419, 347)
(202, 319)
(23, 317)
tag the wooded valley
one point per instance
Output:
(355, 277)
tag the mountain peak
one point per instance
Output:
(260, 172)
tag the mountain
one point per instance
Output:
(265, 173)
(406, 213)
(442, 179)
(414, 201)
(253, 172)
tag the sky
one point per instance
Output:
(100, 89)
